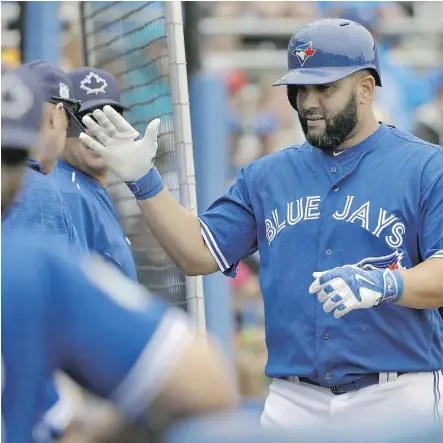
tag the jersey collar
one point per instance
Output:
(364, 146)
(67, 167)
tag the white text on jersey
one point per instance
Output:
(308, 209)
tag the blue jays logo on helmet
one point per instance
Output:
(392, 261)
(303, 52)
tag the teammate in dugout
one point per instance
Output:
(349, 227)
(41, 206)
(82, 175)
(60, 311)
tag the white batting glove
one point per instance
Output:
(128, 155)
(129, 158)
(347, 288)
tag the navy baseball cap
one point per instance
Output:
(95, 88)
(22, 109)
(56, 84)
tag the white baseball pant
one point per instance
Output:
(414, 396)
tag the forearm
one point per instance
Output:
(178, 232)
(423, 285)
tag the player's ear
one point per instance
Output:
(366, 87)
(55, 115)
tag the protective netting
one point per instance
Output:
(128, 39)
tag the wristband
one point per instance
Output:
(147, 186)
(393, 286)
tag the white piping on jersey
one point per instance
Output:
(213, 253)
(73, 180)
(438, 254)
(214, 244)
(148, 374)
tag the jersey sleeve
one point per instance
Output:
(111, 336)
(229, 226)
(431, 220)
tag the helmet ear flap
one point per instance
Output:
(291, 90)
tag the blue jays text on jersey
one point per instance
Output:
(40, 206)
(94, 217)
(378, 203)
(60, 312)
(308, 209)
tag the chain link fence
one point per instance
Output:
(128, 39)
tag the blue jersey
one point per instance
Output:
(60, 313)
(94, 217)
(40, 206)
(378, 204)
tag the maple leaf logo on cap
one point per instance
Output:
(94, 84)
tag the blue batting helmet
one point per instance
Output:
(328, 50)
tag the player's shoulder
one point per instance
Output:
(278, 161)
(40, 190)
(28, 257)
(40, 182)
(28, 245)
(402, 139)
(282, 155)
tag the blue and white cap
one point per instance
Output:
(22, 109)
(95, 88)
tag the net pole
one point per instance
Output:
(84, 49)
(183, 142)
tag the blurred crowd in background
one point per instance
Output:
(246, 43)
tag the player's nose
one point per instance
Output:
(309, 101)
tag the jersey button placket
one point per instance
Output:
(333, 170)
(326, 261)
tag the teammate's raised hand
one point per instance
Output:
(116, 141)
(350, 287)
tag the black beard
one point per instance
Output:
(338, 129)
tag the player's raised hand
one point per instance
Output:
(350, 287)
(116, 141)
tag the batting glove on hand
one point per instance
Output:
(116, 142)
(349, 287)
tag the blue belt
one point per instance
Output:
(363, 382)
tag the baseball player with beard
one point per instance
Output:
(349, 227)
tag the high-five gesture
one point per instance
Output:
(127, 154)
